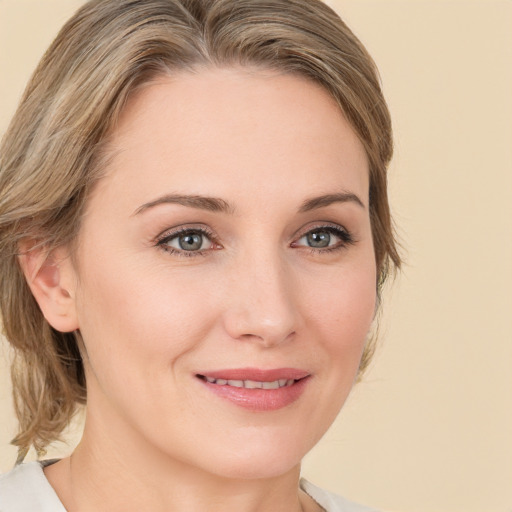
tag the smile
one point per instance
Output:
(255, 389)
(252, 384)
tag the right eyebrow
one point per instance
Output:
(211, 204)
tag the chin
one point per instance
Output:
(272, 467)
(262, 460)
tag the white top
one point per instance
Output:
(26, 489)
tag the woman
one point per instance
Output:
(195, 227)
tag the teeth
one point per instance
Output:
(252, 384)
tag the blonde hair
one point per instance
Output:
(52, 153)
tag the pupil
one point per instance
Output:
(319, 239)
(191, 242)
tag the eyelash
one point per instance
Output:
(164, 239)
(344, 236)
(345, 239)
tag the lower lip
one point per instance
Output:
(260, 399)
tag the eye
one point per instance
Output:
(186, 241)
(325, 238)
(318, 239)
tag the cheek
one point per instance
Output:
(141, 319)
(344, 313)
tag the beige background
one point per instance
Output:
(430, 428)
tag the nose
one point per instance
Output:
(262, 305)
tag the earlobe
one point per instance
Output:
(50, 277)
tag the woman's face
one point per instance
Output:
(226, 278)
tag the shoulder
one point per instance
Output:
(331, 502)
(26, 489)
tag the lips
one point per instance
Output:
(257, 389)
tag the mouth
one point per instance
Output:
(250, 384)
(255, 389)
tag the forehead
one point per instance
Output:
(218, 131)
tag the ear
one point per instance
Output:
(51, 278)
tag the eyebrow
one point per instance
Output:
(211, 204)
(328, 199)
(215, 204)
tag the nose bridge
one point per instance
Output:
(262, 306)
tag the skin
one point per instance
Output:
(256, 296)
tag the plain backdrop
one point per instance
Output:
(430, 427)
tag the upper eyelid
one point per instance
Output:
(169, 232)
(316, 226)
(178, 230)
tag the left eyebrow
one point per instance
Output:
(328, 199)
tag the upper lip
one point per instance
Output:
(256, 374)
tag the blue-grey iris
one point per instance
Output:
(190, 241)
(319, 239)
